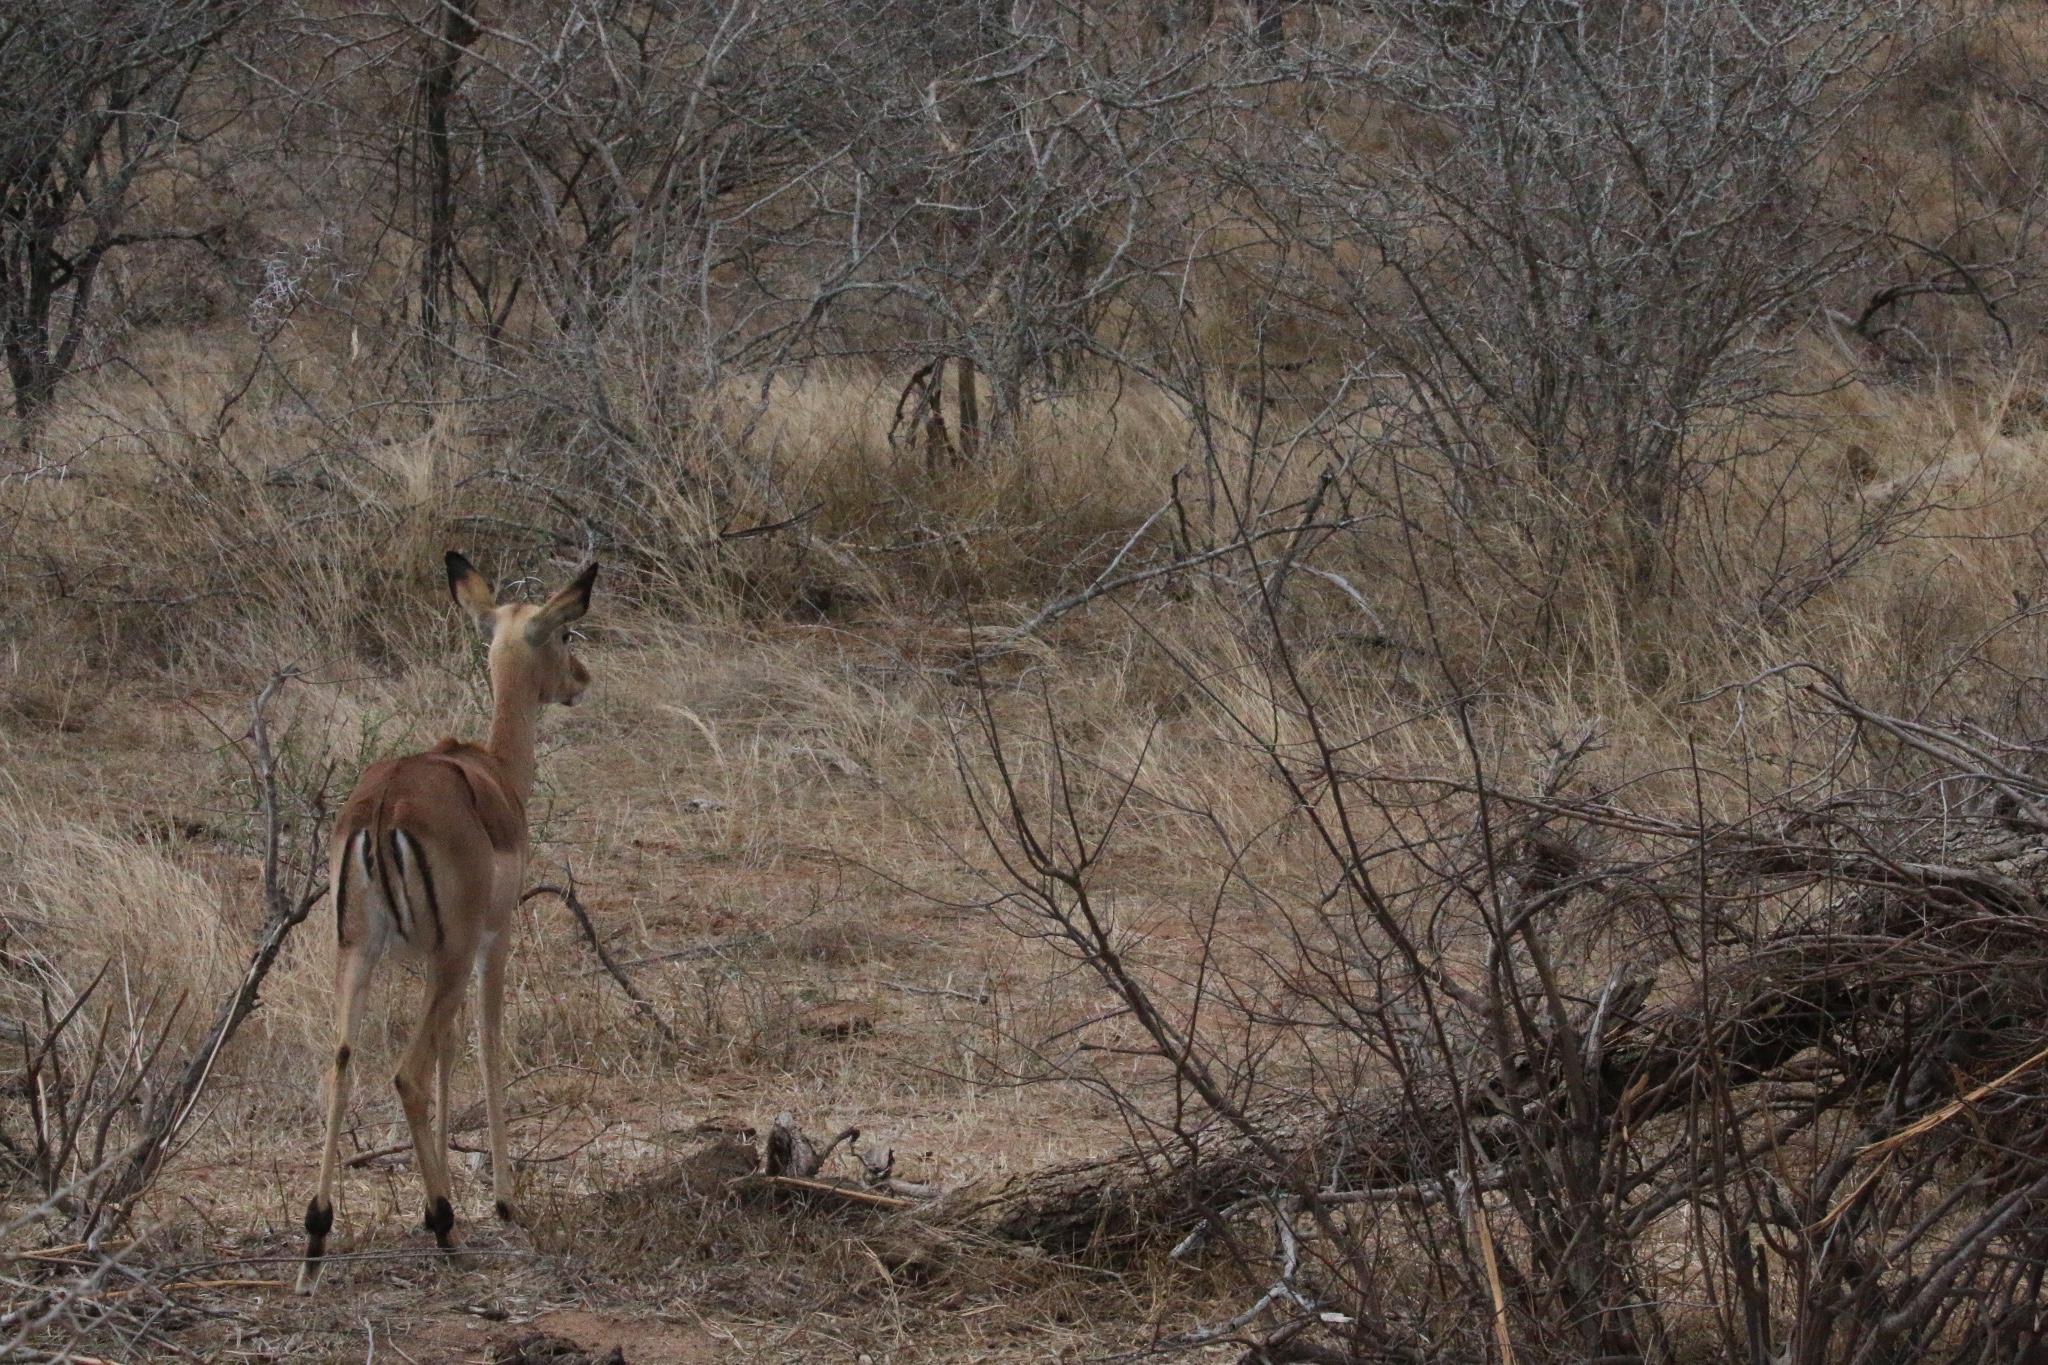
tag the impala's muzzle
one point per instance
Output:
(578, 679)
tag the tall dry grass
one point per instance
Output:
(163, 551)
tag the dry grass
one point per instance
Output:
(764, 821)
(761, 805)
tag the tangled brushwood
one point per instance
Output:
(1530, 1073)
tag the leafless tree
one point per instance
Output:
(92, 97)
(1583, 238)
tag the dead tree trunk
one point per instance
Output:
(970, 409)
(438, 83)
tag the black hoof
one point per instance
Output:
(319, 1219)
(440, 1221)
(319, 1222)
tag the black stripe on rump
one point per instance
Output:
(341, 892)
(405, 915)
(419, 856)
(365, 844)
(390, 901)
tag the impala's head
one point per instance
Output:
(529, 645)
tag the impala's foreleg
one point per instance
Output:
(491, 969)
(352, 970)
(447, 982)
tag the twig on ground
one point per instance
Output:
(852, 1194)
(711, 949)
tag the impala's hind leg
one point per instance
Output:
(444, 1079)
(351, 992)
(446, 984)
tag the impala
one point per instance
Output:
(427, 858)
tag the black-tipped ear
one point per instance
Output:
(471, 590)
(565, 606)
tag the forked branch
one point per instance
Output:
(566, 893)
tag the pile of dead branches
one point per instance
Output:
(1543, 1075)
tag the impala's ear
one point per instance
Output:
(471, 590)
(565, 606)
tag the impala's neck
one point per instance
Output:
(515, 716)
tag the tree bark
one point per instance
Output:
(438, 83)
